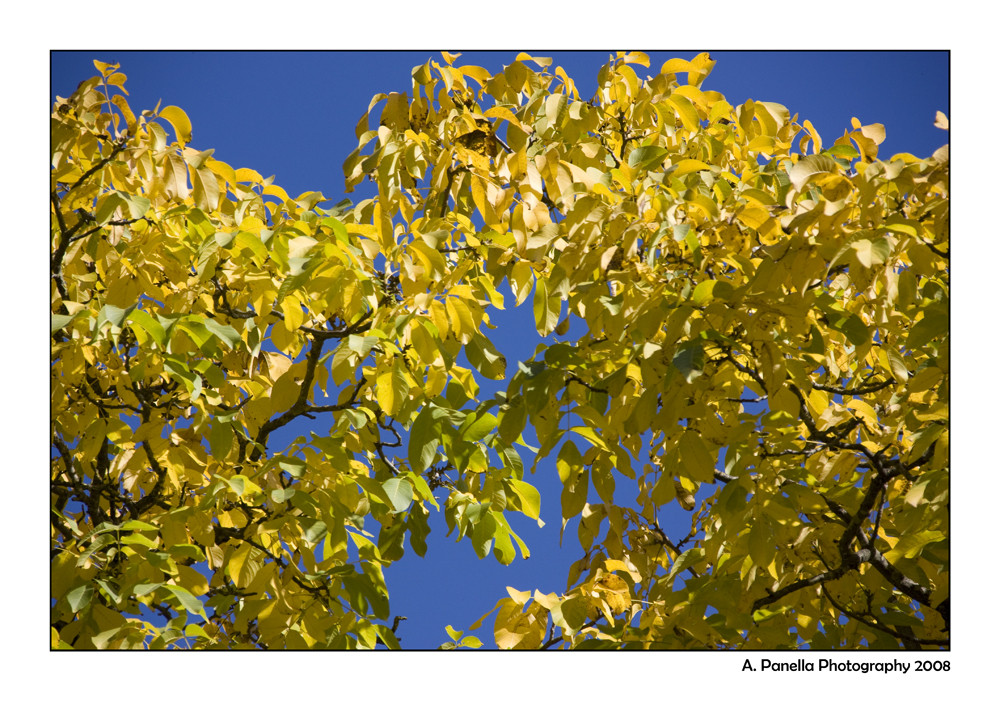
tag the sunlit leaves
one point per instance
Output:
(400, 493)
(179, 121)
(647, 157)
(810, 166)
(726, 327)
(547, 307)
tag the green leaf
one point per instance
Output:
(647, 157)
(79, 598)
(60, 320)
(471, 641)
(423, 442)
(279, 496)
(146, 588)
(933, 325)
(513, 420)
(238, 484)
(485, 358)
(761, 615)
(693, 242)
(220, 439)
(760, 543)
(293, 466)
(187, 600)
(226, 334)
(911, 544)
(362, 345)
(855, 329)
(482, 534)
(400, 493)
(530, 498)
(871, 252)
(842, 151)
(133, 525)
(106, 212)
(137, 206)
(475, 428)
(703, 292)
(695, 458)
(314, 531)
(99, 542)
(569, 462)
(689, 359)
(150, 325)
(503, 549)
(688, 558)
(897, 364)
(110, 314)
(546, 307)
(138, 539)
(525, 550)
(663, 491)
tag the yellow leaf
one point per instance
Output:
(784, 400)
(537, 59)
(460, 319)
(614, 591)
(818, 402)
(478, 74)
(761, 221)
(754, 217)
(179, 121)
(546, 307)
(696, 460)
(385, 393)
(875, 132)
(817, 141)
(761, 545)
(276, 191)
(105, 68)
(499, 112)
(521, 278)
(121, 104)
(700, 66)
(292, 310)
(236, 567)
(612, 565)
(206, 189)
(686, 111)
(248, 175)
(636, 57)
(689, 165)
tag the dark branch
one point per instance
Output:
(937, 251)
(874, 623)
(857, 390)
(800, 584)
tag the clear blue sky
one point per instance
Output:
(292, 115)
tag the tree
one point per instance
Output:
(764, 343)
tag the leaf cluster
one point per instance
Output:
(764, 344)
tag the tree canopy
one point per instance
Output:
(759, 336)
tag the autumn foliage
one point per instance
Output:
(764, 343)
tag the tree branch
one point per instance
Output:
(118, 148)
(874, 623)
(779, 594)
(857, 391)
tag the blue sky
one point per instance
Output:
(292, 115)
